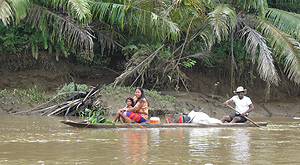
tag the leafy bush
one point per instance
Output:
(71, 87)
(188, 63)
(14, 39)
(222, 52)
(133, 51)
(98, 59)
(95, 116)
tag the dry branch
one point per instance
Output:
(70, 106)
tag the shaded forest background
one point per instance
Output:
(19, 69)
(185, 45)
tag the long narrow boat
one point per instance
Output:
(163, 125)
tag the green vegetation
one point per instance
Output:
(16, 39)
(92, 109)
(222, 51)
(95, 116)
(30, 96)
(188, 63)
(71, 87)
(159, 38)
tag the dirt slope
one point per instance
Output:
(48, 74)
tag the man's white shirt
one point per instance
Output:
(241, 105)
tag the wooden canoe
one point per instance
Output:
(163, 125)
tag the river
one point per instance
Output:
(44, 140)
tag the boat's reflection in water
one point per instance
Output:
(134, 146)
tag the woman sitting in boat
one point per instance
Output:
(138, 113)
(129, 104)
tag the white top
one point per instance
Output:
(241, 105)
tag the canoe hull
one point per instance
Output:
(164, 125)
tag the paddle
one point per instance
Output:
(243, 116)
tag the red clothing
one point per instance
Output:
(141, 107)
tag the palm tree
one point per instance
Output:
(78, 23)
(269, 34)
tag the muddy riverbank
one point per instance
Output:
(48, 74)
(185, 102)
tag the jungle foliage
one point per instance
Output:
(159, 38)
(16, 39)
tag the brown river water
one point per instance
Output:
(44, 140)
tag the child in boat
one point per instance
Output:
(138, 113)
(129, 104)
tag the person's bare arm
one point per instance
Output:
(228, 102)
(136, 107)
(251, 107)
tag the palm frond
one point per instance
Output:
(286, 21)
(110, 12)
(59, 5)
(12, 10)
(81, 10)
(106, 41)
(222, 18)
(287, 5)
(243, 6)
(256, 44)
(285, 47)
(144, 21)
(19, 8)
(206, 35)
(163, 26)
(137, 66)
(5, 12)
(77, 9)
(62, 27)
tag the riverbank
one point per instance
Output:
(47, 75)
(14, 101)
(213, 105)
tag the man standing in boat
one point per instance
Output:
(243, 105)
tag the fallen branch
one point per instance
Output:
(70, 106)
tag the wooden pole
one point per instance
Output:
(243, 116)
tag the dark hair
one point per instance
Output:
(142, 95)
(132, 102)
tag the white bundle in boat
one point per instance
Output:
(203, 118)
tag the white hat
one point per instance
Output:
(240, 89)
